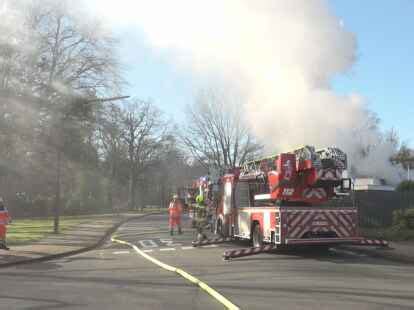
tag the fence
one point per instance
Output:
(376, 207)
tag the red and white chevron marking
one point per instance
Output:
(301, 221)
(329, 174)
(374, 242)
(310, 193)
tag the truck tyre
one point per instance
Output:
(257, 238)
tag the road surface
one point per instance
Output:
(115, 277)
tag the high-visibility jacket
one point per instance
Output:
(200, 211)
(4, 220)
(175, 210)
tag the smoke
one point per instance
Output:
(284, 54)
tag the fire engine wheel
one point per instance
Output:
(257, 238)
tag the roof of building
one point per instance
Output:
(372, 184)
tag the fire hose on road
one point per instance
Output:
(220, 298)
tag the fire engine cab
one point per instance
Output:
(294, 198)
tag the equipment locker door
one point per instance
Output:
(241, 201)
(227, 207)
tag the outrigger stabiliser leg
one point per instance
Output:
(211, 241)
(229, 254)
(374, 242)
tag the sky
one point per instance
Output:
(383, 73)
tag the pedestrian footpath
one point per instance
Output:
(84, 235)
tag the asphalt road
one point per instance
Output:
(115, 277)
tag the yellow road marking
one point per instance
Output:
(220, 298)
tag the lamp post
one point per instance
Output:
(57, 204)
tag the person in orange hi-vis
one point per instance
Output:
(175, 210)
(4, 220)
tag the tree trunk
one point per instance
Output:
(56, 209)
(141, 196)
(132, 187)
(110, 195)
(111, 186)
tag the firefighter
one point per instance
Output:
(200, 217)
(4, 220)
(175, 210)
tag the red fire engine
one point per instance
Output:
(288, 199)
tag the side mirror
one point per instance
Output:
(346, 185)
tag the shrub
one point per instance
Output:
(405, 186)
(403, 219)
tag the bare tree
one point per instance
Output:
(71, 58)
(404, 157)
(74, 52)
(111, 143)
(216, 133)
(143, 131)
(51, 55)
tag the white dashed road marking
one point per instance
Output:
(164, 249)
(162, 244)
(187, 248)
(169, 242)
(121, 252)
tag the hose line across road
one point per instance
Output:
(220, 298)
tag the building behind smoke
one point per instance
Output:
(372, 184)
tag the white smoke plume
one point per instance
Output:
(284, 53)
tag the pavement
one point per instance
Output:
(116, 277)
(83, 236)
(402, 251)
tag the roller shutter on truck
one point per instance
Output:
(242, 200)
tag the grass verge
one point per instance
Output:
(24, 231)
